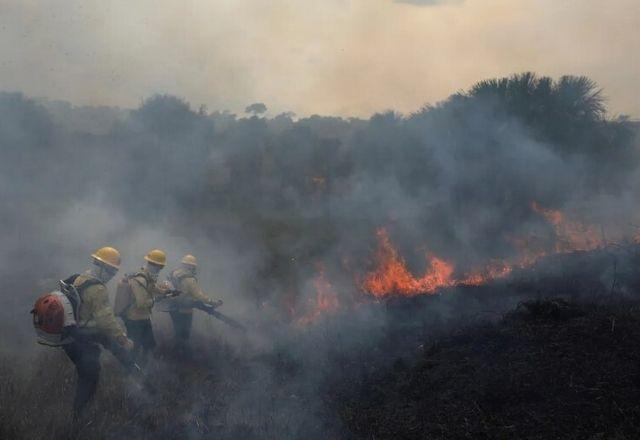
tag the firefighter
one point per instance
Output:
(144, 291)
(94, 312)
(184, 279)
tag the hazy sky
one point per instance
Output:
(347, 57)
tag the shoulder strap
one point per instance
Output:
(182, 276)
(70, 291)
(176, 277)
(88, 283)
(135, 276)
(74, 293)
(69, 281)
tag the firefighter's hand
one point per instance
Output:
(216, 303)
(166, 290)
(126, 343)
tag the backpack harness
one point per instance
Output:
(56, 314)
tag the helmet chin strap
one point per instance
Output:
(102, 273)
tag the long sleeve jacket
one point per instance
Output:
(95, 310)
(187, 284)
(145, 292)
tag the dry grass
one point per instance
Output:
(217, 394)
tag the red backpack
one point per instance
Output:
(55, 313)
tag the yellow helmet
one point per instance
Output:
(190, 260)
(156, 256)
(108, 255)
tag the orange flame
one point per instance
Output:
(494, 271)
(392, 276)
(571, 236)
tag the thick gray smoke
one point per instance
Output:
(265, 202)
(261, 201)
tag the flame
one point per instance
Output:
(570, 236)
(493, 271)
(392, 276)
(324, 301)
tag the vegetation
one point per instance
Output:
(264, 199)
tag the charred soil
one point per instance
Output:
(551, 368)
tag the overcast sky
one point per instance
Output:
(345, 57)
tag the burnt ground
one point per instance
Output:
(549, 355)
(548, 369)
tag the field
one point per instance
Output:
(494, 361)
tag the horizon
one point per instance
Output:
(269, 114)
(345, 58)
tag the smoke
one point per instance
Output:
(263, 202)
(265, 199)
(309, 59)
(428, 2)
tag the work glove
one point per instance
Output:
(166, 289)
(125, 342)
